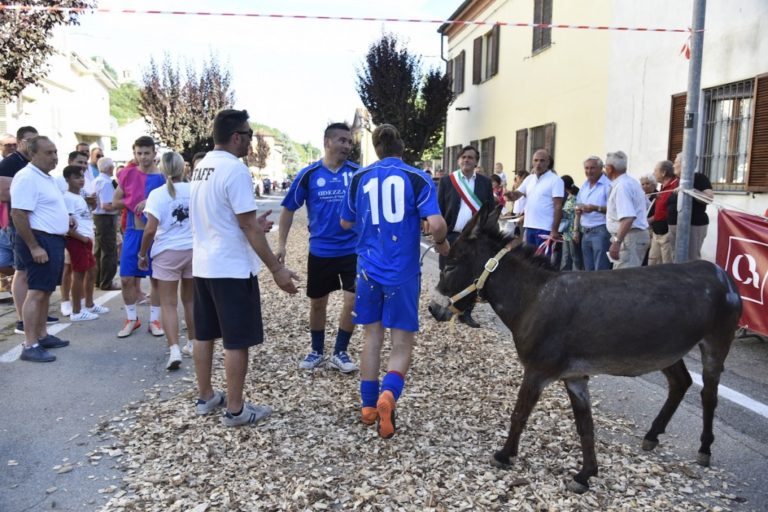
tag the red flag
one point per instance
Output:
(742, 250)
(685, 51)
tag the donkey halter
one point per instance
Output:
(490, 266)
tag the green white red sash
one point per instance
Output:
(466, 193)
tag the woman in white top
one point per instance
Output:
(168, 224)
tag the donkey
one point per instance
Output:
(568, 326)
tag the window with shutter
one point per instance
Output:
(542, 13)
(521, 147)
(477, 61)
(449, 74)
(676, 122)
(459, 73)
(488, 154)
(495, 50)
(757, 175)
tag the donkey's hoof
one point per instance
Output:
(500, 461)
(649, 445)
(703, 459)
(440, 313)
(576, 487)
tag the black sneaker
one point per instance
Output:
(36, 354)
(51, 320)
(51, 341)
(19, 327)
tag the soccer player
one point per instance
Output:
(387, 201)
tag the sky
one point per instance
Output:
(295, 75)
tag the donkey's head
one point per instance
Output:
(479, 241)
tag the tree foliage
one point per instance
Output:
(25, 41)
(393, 88)
(180, 109)
(124, 103)
(257, 157)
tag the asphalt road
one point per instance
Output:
(54, 456)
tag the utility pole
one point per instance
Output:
(684, 201)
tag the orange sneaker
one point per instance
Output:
(155, 328)
(369, 415)
(128, 327)
(385, 407)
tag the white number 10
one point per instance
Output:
(392, 195)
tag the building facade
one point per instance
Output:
(578, 92)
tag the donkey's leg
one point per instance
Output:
(679, 380)
(527, 396)
(578, 392)
(714, 349)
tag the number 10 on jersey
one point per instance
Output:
(391, 197)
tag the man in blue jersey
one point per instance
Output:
(387, 201)
(332, 260)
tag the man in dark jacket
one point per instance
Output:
(460, 195)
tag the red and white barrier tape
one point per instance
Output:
(41, 8)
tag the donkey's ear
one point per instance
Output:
(479, 222)
(492, 219)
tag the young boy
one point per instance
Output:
(80, 247)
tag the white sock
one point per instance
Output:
(66, 304)
(154, 313)
(130, 311)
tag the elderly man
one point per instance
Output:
(591, 204)
(699, 218)
(662, 251)
(40, 217)
(544, 192)
(105, 220)
(626, 216)
(7, 146)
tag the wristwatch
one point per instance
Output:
(615, 240)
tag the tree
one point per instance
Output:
(124, 103)
(180, 110)
(258, 157)
(25, 41)
(394, 90)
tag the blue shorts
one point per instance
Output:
(6, 249)
(129, 258)
(46, 276)
(395, 306)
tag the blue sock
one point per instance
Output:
(369, 392)
(394, 382)
(318, 341)
(342, 341)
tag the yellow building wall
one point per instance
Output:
(564, 84)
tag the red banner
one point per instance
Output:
(742, 250)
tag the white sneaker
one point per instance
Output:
(83, 316)
(188, 349)
(99, 310)
(174, 360)
(66, 308)
(155, 328)
(341, 361)
(219, 399)
(248, 416)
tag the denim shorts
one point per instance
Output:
(43, 276)
(6, 249)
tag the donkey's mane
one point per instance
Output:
(523, 252)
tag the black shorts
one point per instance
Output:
(326, 275)
(229, 309)
(46, 276)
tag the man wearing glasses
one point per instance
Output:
(229, 247)
(8, 146)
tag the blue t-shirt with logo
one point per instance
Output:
(323, 191)
(387, 201)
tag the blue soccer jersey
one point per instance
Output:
(387, 201)
(323, 192)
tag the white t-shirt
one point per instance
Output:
(105, 192)
(221, 189)
(626, 199)
(36, 192)
(76, 206)
(174, 229)
(539, 192)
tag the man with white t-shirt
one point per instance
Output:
(105, 220)
(544, 193)
(228, 246)
(626, 216)
(41, 221)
